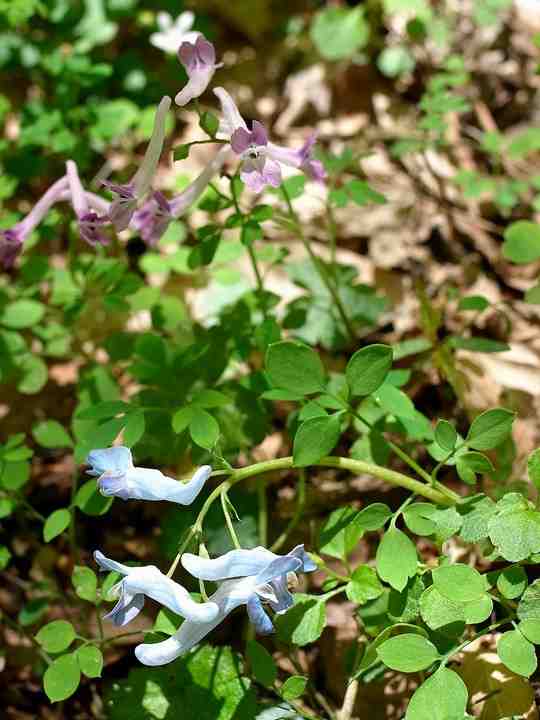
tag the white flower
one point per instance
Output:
(172, 34)
(250, 577)
(149, 581)
(119, 477)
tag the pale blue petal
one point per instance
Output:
(258, 617)
(228, 596)
(106, 564)
(126, 609)
(279, 566)
(116, 460)
(153, 583)
(283, 595)
(150, 484)
(236, 563)
(307, 563)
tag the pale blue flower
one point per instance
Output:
(149, 581)
(250, 578)
(119, 477)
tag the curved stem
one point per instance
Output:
(228, 520)
(356, 466)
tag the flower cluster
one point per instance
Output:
(254, 577)
(136, 204)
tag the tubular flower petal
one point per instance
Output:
(154, 217)
(129, 195)
(250, 578)
(302, 158)
(199, 61)
(149, 581)
(12, 239)
(117, 476)
(89, 221)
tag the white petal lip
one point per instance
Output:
(113, 459)
(122, 479)
(234, 564)
(232, 119)
(151, 582)
(150, 484)
(106, 564)
(196, 85)
(229, 596)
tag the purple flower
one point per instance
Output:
(90, 222)
(258, 170)
(12, 239)
(153, 218)
(302, 158)
(129, 195)
(199, 60)
(261, 159)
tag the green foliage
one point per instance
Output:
(339, 33)
(407, 653)
(56, 636)
(56, 523)
(207, 684)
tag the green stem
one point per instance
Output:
(263, 512)
(356, 466)
(300, 503)
(228, 520)
(72, 531)
(407, 459)
(319, 265)
(446, 657)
